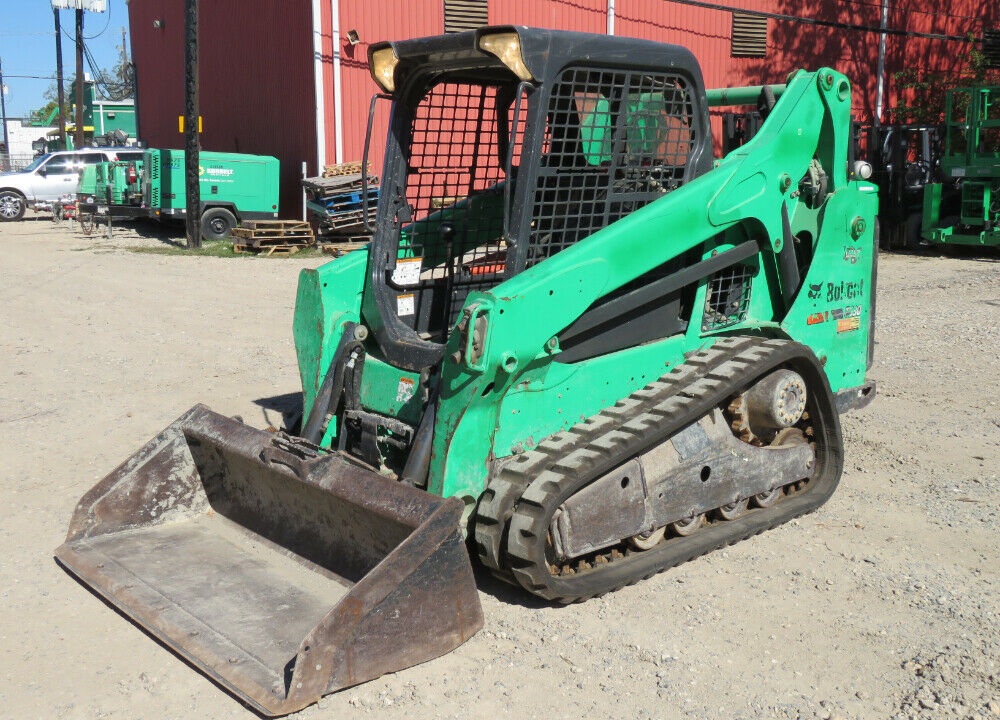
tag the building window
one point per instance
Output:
(991, 48)
(462, 15)
(749, 35)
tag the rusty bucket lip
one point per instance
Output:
(132, 601)
(430, 564)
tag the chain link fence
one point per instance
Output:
(12, 162)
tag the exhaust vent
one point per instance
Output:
(749, 35)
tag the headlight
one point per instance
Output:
(383, 68)
(507, 47)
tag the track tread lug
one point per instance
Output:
(567, 459)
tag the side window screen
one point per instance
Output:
(454, 187)
(615, 141)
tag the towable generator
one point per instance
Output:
(577, 348)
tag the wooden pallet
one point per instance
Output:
(344, 245)
(260, 233)
(267, 250)
(322, 186)
(274, 224)
(344, 222)
(348, 168)
(443, 202)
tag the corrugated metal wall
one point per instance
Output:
(579, 15)
(256, 91)
(257, 83)
(375, 22)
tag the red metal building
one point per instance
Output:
(290, 79)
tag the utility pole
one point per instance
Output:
(60, 92)
(192, 140)
(78, 139)
(3, 119)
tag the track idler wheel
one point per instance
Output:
(647, 541)
(733, 510)
(689, 525)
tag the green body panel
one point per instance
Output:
(88, 180)
(327, 297)
(559, 395)
(833, 312)
(248, 183)
(931, 217)
(391, 391)
(519, 392)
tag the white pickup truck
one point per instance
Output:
(50, 177)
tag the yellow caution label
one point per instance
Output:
(180, 123)
(848, 324)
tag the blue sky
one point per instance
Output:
(28, 47)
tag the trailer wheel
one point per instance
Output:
(216, 223)
(12, 206)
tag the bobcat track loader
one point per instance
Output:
(577, 346)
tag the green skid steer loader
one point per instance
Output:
(578, 348)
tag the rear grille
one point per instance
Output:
(615, 141)
(153, 178)
(728, 297)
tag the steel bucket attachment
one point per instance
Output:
(280, 573)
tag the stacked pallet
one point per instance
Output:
(348, 168)
(272, 237)
(339, 202)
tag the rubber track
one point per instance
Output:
(496, 505)
(533, 487)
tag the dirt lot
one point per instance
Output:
(883, 604)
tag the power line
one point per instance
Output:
(107, 24)
(932, 13)
(822, 23)
(30, 77)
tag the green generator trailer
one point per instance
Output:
(578, 348)
(234, 187)
(964, 209)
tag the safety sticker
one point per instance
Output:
(816, 318)
(404, 391)
(407, 271)
(848, 324)
(851, 311)
(405, 305)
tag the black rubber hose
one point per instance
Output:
(331, 389)
(419, 460)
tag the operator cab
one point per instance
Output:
(506, 146)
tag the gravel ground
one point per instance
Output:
(885, 603)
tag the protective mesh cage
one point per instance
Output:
(615, 141)
(454, 168)
(728, 297)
